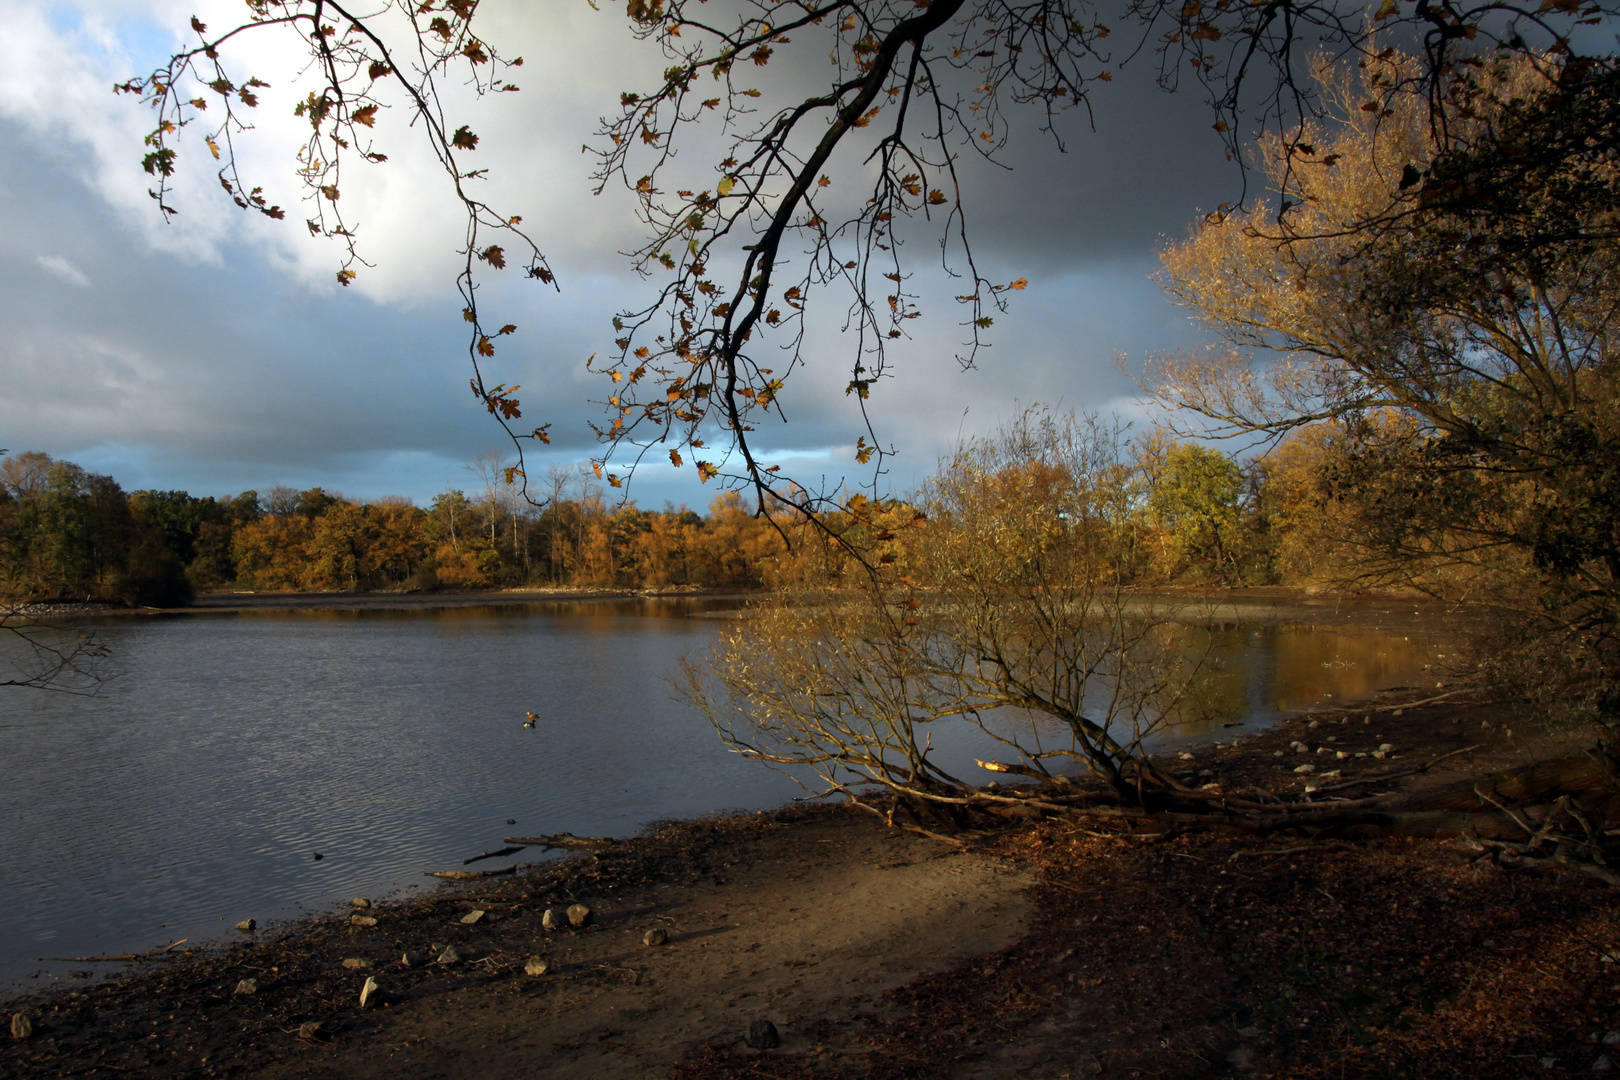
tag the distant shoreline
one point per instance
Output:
(232, 603)
(1258, 605)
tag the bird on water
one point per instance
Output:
(532, 717)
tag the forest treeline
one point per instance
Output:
(1197, 516)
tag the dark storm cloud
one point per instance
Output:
(230, 361)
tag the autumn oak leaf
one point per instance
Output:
(464, 138)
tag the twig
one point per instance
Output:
(1517, 820)
(1236, 855)
(1396, 775)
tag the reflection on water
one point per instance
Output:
(194, 789)
(1256, 675)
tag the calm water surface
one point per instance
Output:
(192, 791)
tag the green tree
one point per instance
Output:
(1194, 501)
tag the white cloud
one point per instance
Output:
(222, 339)
(63, 270)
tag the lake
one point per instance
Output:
(192, 791)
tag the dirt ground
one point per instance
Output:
(1043, 950)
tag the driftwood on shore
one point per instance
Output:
(565, 840)
(469, 875)
(1566, 804)
(122, 958)
(498, 853)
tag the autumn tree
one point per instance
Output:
(1004, 606)
(1449, 299)
(812, 196)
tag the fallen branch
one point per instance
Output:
(469, 875)
(1236, 855)
(1401, 705)
(1381, 777)
(564, 840)
(120, 958)
(499, 853)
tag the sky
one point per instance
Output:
(216, 352)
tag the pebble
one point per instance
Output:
(1386, 747)
(1186, 757)
(360, 902)
(1298, 747)
(1276, 753)
(451, 955)
(552, 919)
(313, 1031)
(579, 915)
(656, 936)
(410, 959)
(472, 916)
(247, 926)
(363, 920)
(1612, 1039)
(354, 963)
(247, 986)
(762, 1035)
(1307, 768)
(1379, 754)
(536, 965)
(1312, 724)
(370, 993)
(1603, 1064)
(1340, 755)
(22, 1025)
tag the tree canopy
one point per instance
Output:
(1449, 301)
(811, 193)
